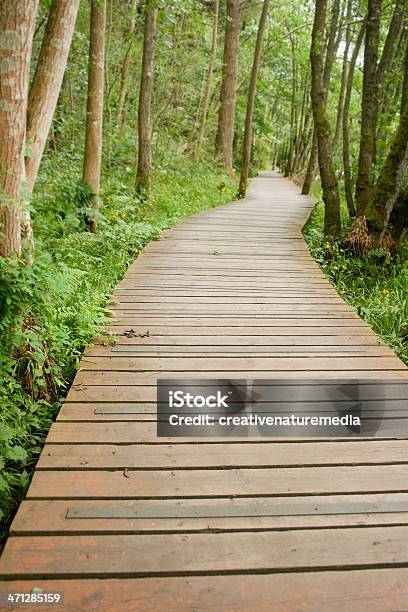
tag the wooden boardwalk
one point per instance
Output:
(118, 519)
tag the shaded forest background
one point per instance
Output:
(177, 104)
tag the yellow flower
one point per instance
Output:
(385, 291)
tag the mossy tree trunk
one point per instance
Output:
(332, 224)
(394, 170)
(332, 45)
(368, 108)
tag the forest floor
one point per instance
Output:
(376, 284)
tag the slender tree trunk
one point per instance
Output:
(17, 29)
(226, 116)
(345, 121)
(301, 138)
(394, 170)
(292, 140)
(144, 166)
(327, 70)
(208, 83)
(94, 122)
(124, 73)
(246, 148)
(368, 107)
(332, 225)
(311, 166)
(47, 81)
(340, 105)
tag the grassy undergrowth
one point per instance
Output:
(376, 285)
(49, 312)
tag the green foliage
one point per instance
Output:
(50, 311)
(376, 285)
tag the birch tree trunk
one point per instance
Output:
(246, 148)
(144, 165)
(47, 81)
(16, 35)
(94, 121)
(207, 89)
(226, 115)
(332, 225)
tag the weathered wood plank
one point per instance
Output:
(192, 554)
(386, 590)
(189, 456)
(44, 517)
(241, 482)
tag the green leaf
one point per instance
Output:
(17, 453)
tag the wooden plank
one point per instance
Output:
(268, 340)
(141, 432)
(208, 363)
(292, 302)
(192, 554)
(317, 334)
(241, 482)
(248, 322)
(44, 517)
(233, 351)
(386, 590)
(189, 456)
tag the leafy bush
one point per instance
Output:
(376, 285)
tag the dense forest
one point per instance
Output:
(120, 117)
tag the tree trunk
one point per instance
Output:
(208, 83)
(94, 121)
(17, 29)
(340, 105)
(144, 165)
(311, 167)
(246, 148)
(124, 73)
(387, 56)
(226, 115)
(345, 119)
(368, 107)
(394, 170)
(332, 225)
(327, 70)
(293, 114)
(47, 81)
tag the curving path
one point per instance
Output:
(118, 519)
